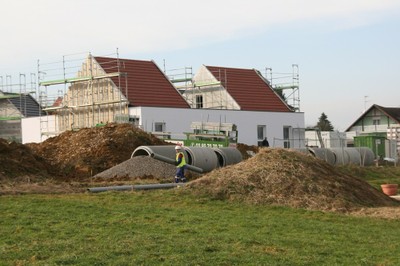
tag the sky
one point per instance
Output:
(347, 51)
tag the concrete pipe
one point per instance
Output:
(172, 161)
(355, 156)
(367, 156)
(135, 187)
(164, 150)
(341, 155)
(227, 156)
(202, 157)
(323, 154)
(167, 151)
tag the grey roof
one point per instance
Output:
(25, 103)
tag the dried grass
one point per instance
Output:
(289, 178)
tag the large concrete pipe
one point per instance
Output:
(202, 157)
(367, 156)
(172, 161)
(227, 156)
(165, 153)
(135, 187)
(355, 156)
(341, 155)
(323, 154)
(164, 150)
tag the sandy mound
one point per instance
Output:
(289, 178)
(90, 151)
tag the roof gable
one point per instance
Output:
(249, 89)
(24, 103)
(391, 112)
(146, 83)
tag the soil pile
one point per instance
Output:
(19, 161)
(246, 150)
(290, 178)
(90, 151)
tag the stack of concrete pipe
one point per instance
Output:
(199, 159)
(342, 156)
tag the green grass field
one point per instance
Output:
(168, 227)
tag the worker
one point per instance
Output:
(265, 143)
(180, 163)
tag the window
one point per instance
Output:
(376, 122)
(159, 126)
(199, 101)
(134, 120)
(286, 136)
(261, 133)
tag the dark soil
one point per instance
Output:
(89, 151)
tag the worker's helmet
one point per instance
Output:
(178, 147)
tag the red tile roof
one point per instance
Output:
(249, 89)
(147, 84)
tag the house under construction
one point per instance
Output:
(16, 102)
(97, 94)
(111, 89)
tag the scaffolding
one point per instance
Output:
(77, 95)
(16, 102)
(19, 91)
(206, 92)
(286, 85)
(212, 93)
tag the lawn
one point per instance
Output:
(172, 227)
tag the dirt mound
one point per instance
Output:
(290, 178)
(18, 160)
(246, 150)
(90, 151)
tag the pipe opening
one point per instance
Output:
(141, 152)
(221, 159)
(189, 157)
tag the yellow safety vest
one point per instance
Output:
(183, 162)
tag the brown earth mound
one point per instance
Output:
(289, 178)
(18, 161)
(90, 151)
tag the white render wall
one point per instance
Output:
(30, 128)
(178, 121)
(331, 139)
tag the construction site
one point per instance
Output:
(118, 154)
(82, 91)
(93, 133)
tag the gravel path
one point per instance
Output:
(140, 166)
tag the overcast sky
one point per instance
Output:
(348, 51)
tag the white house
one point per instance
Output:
(137, 91)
